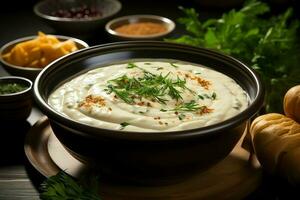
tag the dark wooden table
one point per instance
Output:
(18, 179)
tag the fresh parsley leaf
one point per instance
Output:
(62, 187)
(270, 45)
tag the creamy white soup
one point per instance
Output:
(150, 96)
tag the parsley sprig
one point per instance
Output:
(269, 44)
(62, 187)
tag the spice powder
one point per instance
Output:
(141, 28)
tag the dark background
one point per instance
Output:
(18, 20)
(18, 179)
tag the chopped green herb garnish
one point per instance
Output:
(200, 97)
(174, 65)
(159, 68)
(237, 105)
(121, 94)
(206, 96)
(150, 86)
(198, 73)
(88, 86)
(214, 96)
(163, 110)
(147, 63)
(181, 116)
(9, 88)
(131, 65)
(190, 106)
(124, 124)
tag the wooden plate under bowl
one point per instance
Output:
(233, 178)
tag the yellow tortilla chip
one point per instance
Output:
(40, 51)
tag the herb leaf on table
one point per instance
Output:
(64, 187)
(270, 45)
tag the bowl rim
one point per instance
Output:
(165, 20)
(25, 80)
(96, 132)
(65, 19)
(26, 38)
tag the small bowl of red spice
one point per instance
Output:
(135, 27)
(77, 17)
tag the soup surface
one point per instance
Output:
(150, 96)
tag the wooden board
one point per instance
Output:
(233, 178)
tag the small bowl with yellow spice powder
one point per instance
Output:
(140, 27)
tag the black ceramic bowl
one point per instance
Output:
(139, 156)
(15, 106)
(78, 26)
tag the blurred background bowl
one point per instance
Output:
(30, 72)
(140, 27)
(77, 17)
(15, 104)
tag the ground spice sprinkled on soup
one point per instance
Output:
(141, 28)
(150, 96)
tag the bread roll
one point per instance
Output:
(291, 103)
(276, 142)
